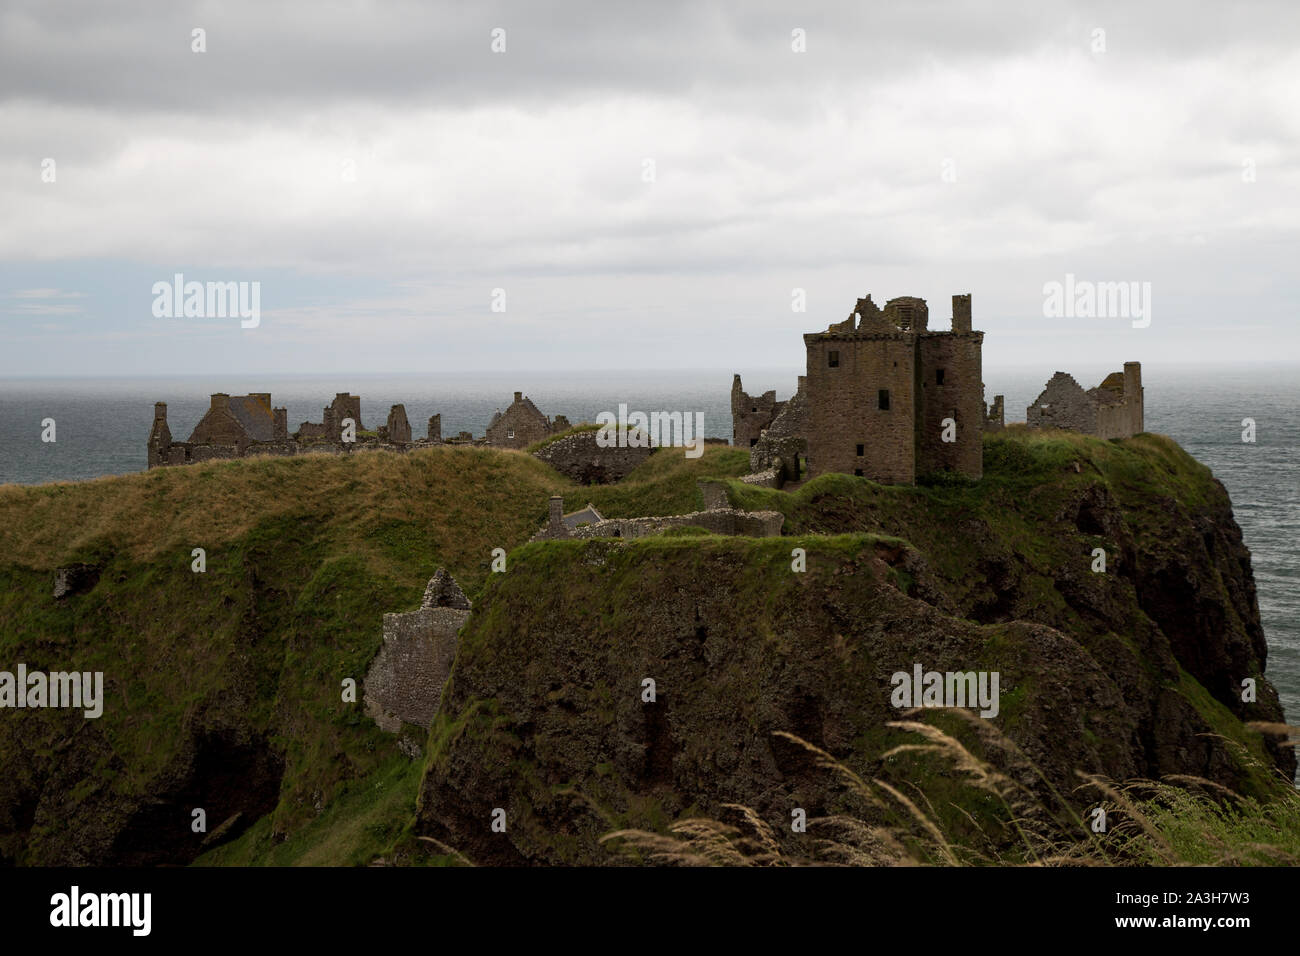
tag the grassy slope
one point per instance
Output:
(304, 556)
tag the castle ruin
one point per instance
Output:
(884, 397)
(242, 425)
(1114, 409)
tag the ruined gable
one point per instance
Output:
(1063, 404)
(519, 425)
(1113, 409)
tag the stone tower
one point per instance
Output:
(884, 392)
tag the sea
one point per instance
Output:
(101, 427)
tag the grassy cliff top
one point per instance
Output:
(305, 555)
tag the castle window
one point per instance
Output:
(832, 359)
(510, 433)
(755, 408)
(861, 450)
(938, 376)
(884, 399)
(753, 442)
(857, 472)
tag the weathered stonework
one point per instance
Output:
(717, 517)
(995, 420)
(884, 397)
(522, 424)
(1114, 409)
(75, 579)
(398, 429)
(246, 425)
(750, 415)
(405, 680)
(580, 457)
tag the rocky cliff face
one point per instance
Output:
(1136, 670)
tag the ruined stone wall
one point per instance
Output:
(907, 313)
(950, 385)
(435, 427)
(792, 420)
(197, 453)
(995, 419)
(844, 413)
(277, 448)
(580, 458)
(160, 437)
(405, 680)
(1121, 412)
(399, 429)
(751, 414)
(219, 426)
(1063, 404)
(346, 405)
(780, 454)
(728, 521)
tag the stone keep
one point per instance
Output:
(881, 386)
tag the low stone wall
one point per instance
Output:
(728, 521)
(580, 458)
(764, 479)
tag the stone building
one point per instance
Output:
(242, 425)
(889, 399)
(230, 428)
(522, 424)
(1114, 409)
(884, 397)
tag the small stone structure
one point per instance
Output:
(718, 517)
(580, 457)
(75, 579)
(522, 423)
(405, 680)
(1114, 409)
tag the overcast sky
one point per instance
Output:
(647, 183)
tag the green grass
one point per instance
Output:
(305, 554)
